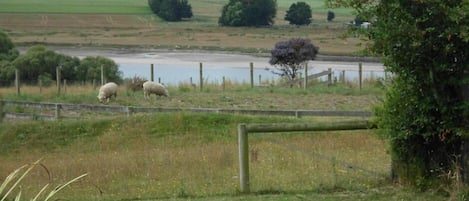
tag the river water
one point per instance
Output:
(175, 67)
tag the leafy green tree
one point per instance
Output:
(90, 69)
(299, 14)
(330, 16)
(289, 57)
(248, 13)
(39, 60)
(424, 115)
(232, 14)
(8, 53)
(8, 50)
(171, 10)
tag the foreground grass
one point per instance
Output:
(184, 156)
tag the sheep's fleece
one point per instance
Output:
(107, 91)
(158, 89)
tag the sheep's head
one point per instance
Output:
(101, 98)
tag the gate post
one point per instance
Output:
(243, 159)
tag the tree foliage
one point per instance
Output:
(289, 57)
(299, 14)
(425, 45)
(171, 10)
(330, 16)
(90, 69)
(8, 50)
(40, 63)
(248, 13)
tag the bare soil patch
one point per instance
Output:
(149, 31)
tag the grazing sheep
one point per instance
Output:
(156, 88)
(107, 91)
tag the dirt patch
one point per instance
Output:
(148, 31)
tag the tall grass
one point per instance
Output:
(13, 181)
(180, 155)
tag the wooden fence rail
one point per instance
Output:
(245, 129)
(58, 107)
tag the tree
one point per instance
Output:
(290, 56)
(299, 14)
(39, 62)
(330, 16)
(424, 115)
(171, 10)
(90, 69)
(248, 13)
(8, 53)
(8, 50)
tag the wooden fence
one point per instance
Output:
(128, 110)
(245, 129)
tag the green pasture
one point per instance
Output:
(76, 6)
(194, 156)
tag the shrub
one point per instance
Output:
(135, 83)
(171, 10)
(330, 16)
(248, 13)
(299, 14)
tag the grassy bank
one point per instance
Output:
(234, 96)
(194, 156)
(182, 156)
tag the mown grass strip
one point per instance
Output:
(76, 6)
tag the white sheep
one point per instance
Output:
(107, 91)
(156, 88)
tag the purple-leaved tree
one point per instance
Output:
(289, 57)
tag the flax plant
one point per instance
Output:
(20, 173)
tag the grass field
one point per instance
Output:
(194, 156)
(235, 96)
(183, 156)
(122, 23)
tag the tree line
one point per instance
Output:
(40, 63)
(238, 12)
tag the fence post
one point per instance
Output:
(251, 73)
(65, 86)
(360, 75)
(152, 73)
(343, 76)
(223, 83)
(57, 75)
(17, 81)
(58, 107)
(102, 75)
(305, 84)
(129, 111)
(243, 159)
(40, 86)
(329, 76)
(201, 76)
